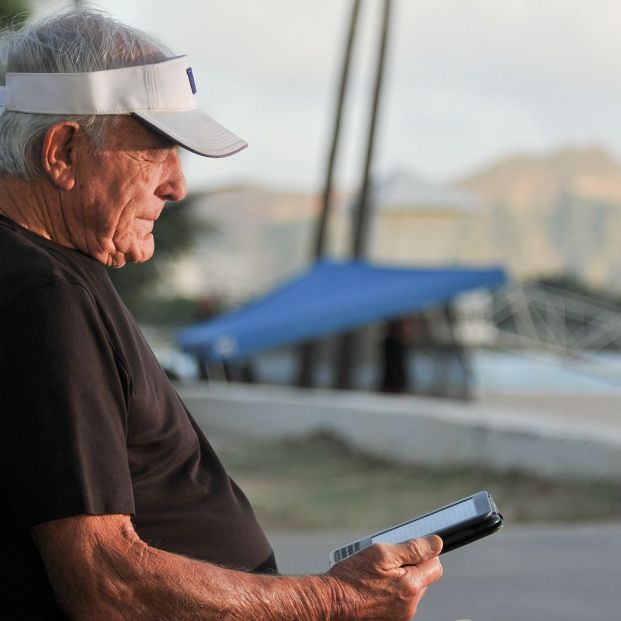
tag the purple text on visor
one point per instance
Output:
(191, 78)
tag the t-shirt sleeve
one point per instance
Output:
(62, 409)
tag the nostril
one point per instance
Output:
(172, 191)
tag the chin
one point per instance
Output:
(141, 251)
(138, 258)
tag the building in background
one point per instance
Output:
(261, 237)
(537, 216)
(418, 223)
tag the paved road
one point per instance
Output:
(519, 574)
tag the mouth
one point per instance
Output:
(145, 226)
(153, 213)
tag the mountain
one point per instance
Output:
(549, 214)
(527, 181)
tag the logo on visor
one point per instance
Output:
(191, 78)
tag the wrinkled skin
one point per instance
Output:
(388, 581)
(102, 201)
(121, 191)
(100, 569)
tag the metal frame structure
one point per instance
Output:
(575, 327)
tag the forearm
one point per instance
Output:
(167, 586)
(115, 576)
(100, 570)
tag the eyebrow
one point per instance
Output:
(162, 141)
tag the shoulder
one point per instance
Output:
(30, 267)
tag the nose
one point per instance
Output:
(173, 188)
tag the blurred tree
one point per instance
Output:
(13, 13)
(175, 232)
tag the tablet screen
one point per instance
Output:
(428, 524)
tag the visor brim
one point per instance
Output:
(195, 131)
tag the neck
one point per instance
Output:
(35, 206)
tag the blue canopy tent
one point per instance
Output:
(329, 298)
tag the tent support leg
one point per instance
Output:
(347, 344)
(306, 364)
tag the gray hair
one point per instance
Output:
(72, 41)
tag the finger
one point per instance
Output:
(435, 543)
(425, 573)
(417, 551)
(418, 596)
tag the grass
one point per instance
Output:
(320, 483)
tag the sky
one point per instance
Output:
(467, 82)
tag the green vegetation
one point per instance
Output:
(168, 311)
(139, 284)
(320, 483)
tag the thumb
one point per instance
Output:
(416, 551)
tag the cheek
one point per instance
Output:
(128, 202)
(118, 203)
(109, 203)
(132, 231)
(131, 228)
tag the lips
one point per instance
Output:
(144, 226)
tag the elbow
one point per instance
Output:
(95, 565)
(99, 602)
(94, 613)
(110, 590)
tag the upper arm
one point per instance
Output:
(92, 562)
(63, 445)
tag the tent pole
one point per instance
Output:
(349, 341)
(360, 238)
(326, 202)
(308, 351)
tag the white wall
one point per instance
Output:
(414, 429)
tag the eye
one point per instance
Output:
(154, 141)
(159, 141)
(166, 143)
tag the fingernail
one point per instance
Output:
(435, 543)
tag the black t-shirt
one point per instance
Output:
(89, 424)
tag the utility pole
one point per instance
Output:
(348, 343)
(308, 351)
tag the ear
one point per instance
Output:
(59, 154)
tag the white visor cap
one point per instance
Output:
(162, 94)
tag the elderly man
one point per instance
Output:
(114, 504)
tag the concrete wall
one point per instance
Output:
(414, 429)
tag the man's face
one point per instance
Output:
(120, 190)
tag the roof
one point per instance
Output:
(403, 190)
(328, 298)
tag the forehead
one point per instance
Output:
(130, 134)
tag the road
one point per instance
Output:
(529, 573)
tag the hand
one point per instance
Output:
(386, 581)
